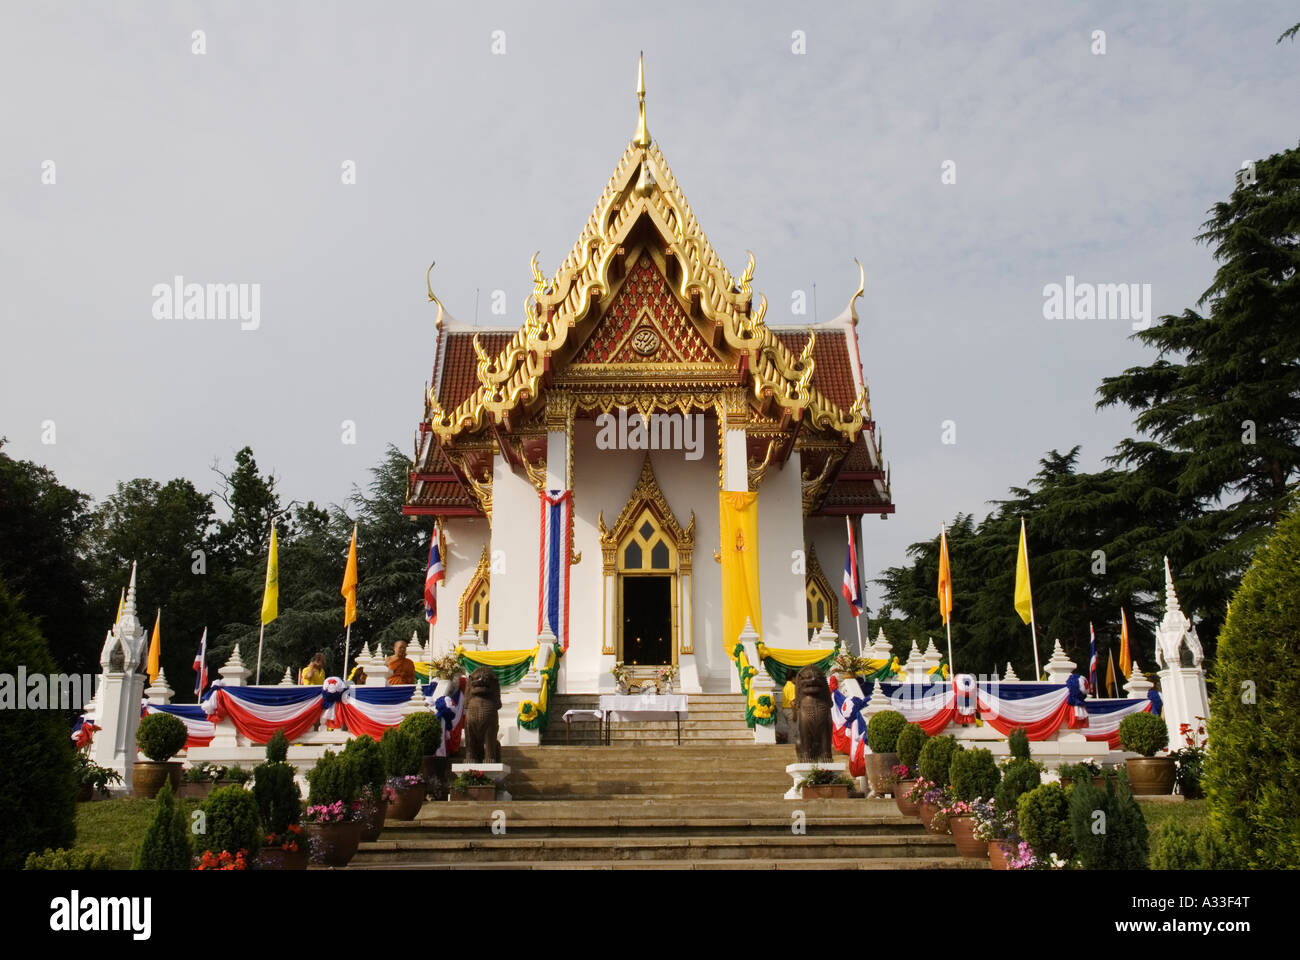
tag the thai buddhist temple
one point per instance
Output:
(644, 463)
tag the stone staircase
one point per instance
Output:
(640, 804)
(715, 719)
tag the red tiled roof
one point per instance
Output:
(457, 364)
(832, 363)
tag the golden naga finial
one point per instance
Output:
(642, 138)
(862, 287)
(437, 323)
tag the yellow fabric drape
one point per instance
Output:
(795, 658)
(498, 658)
(738, 524)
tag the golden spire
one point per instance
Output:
(642, 138)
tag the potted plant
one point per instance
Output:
(819, 784)
(404, 787)
(620, 673)
(904, 780)
(333, 809)
(882, 740)
(231, 776)
(426, 729)
(1146, 734)
(933, 799)
(975, 776)
(847, 665)
(365, 753)
(1082, 772)
(279, 808)
(1190, 760)
(196, 781)
(225, 860)
(160, 737)
(910, 741)
(997, 830)
(92, 778)
(957, 817)
(473, 785)
(915, 796)
(667, 676)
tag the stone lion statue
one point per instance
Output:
(812, 716)
(482, 718)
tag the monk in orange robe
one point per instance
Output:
(401, 668)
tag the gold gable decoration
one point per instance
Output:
(642, 185)
(645, 494)
(481, 578)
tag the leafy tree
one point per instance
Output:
(38, 796)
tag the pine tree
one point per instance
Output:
(166, 843)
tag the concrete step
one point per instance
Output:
(630, 809)
(880, 863)
(610, 826)
(524, 849)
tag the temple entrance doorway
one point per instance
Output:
(647, 638)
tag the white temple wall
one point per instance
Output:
(516, 513)
(780, 533)
(465, 538)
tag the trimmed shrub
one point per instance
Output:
(232, 821)
(1018, 778)
(1253, 765)
(161, 736)
(279, 803)
(277, 748)
(334, 777)
(1143, 733)
(936, 756)
(1179, 847)
(1018, 741)
(38, 794)
(883, 730)
(910, 741)
(401, 752)
(427, 730)
(974, 774)
(89, 859)
(166, 843)
(1044, 817)
(364, 752)
(1107, 827)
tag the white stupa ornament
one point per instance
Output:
(1175, 630)
(287, 679)
(1010, 675)
(124, 645)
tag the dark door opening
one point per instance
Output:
(647, 621)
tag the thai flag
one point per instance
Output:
(1092, 659)
(852, 587)
(201, 666)
(434, 575)
(553, 565)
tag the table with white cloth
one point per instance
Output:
(639, 707)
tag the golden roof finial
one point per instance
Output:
(642, 138)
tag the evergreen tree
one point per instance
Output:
(166, 844)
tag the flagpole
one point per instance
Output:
(1033, 630)
(260, 631)
(347, 648)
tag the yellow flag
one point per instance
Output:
(155, 650)
(1024, 599)
(738, 528)
(121, 605)
(271, 595)
(1125, 657)
(350, 583)
(945, 578)
(1110, 672)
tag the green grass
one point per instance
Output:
(118, 826)
(1190, 813)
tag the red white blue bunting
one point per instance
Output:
(451, 711)
(849, 729)
(199, 729)
(1104, 717)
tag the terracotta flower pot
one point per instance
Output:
(85, 791)
(825, 791)
(879, 773)
(374, 821)
(486, 792)
(408, 803)
(334, 844)
(1000, 852)
(437, 776)
(963, 832)
(147, 777)
(1150, 776)
(276, 858)
(195, 790)
(906, 807)
(928, 810)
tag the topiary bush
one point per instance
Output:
(1143, 733)
(166, 844)
(910, 741)
(277, 748)
(232, 821)
(883, 729)
(1018, 741)
(402, 753)
(936, 756)
(161, 736)
(93, 858)
(1044, 817)
(974, 774)
(1018, 778)
(1107, 827)
(1253, 766)
(279, 802)
(38, 794)
(427, 730)
(334, 777)
(364, 752)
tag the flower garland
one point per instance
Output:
(781, 665)
(509, 665)
(536, 716)
(761, 708)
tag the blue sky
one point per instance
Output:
(225, 167)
